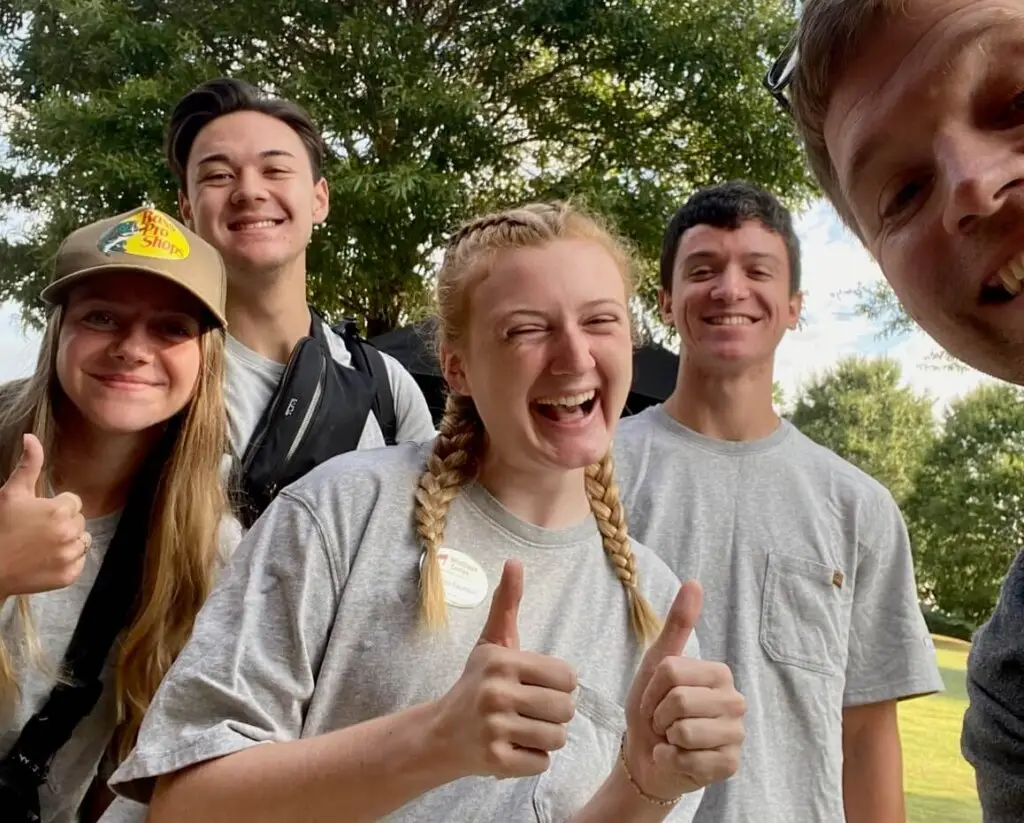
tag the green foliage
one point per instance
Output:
(879, 303)
(860, 411)
(433, 109)
(964, 513)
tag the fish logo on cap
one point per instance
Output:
(145, 233)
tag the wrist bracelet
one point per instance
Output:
(657, 801)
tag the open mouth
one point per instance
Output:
(254, 225)
(1005, 285)
(567, 408)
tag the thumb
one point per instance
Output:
(502, 627)
(681, 621)
(25, 477)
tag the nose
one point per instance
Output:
(249, 188)
(731, 285)
(134, 345)
(572, 355)
(980, 171)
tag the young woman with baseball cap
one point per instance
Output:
(112, 510)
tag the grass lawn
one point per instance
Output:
(938, 782)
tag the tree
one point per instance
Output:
(964, 514)
(860, 411)
(433, 109)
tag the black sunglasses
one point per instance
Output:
(780, 75)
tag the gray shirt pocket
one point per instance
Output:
(803, 612)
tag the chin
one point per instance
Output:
(124, 420)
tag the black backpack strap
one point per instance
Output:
(368, 360)
(107, 611)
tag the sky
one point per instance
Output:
(833, 264)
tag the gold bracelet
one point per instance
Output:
(657, 801)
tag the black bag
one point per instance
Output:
(107, 611)
(318, 411)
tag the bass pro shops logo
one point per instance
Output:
(145, 233)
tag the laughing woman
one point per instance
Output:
(111, 508)
(318, 684)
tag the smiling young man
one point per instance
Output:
(805, 560)
(912, 112)
(249, 169)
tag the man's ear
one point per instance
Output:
(321, 201)
(453, 369)
(796, 306)
(665, 307)
(185, 209)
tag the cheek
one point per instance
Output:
(182, 364)
(905, 263)
(73, 351)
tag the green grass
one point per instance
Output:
(939, 783)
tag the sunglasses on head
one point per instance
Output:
(780, 75)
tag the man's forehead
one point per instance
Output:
(907, 61)
(750, 234)
(245, 133)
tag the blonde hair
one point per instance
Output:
(831, 34)
(461, 440)
(182, 549)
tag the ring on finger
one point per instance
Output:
(86, 542)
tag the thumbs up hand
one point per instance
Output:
(684, 717)
(510, 707)
(43, 541)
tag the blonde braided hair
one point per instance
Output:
(461, 440)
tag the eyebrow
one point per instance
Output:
(702, 255)
(979, 36)
(220, 157)
(601, 302)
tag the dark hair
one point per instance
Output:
(728, 206)
(224, 95)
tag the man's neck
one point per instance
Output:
(99, 467)
(735, 407)
(269, 317)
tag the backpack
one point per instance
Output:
(317, 412)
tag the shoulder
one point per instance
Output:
(357, 479)
(637, 427)
(851, 485)
(631, 445)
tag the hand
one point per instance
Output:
(510, 707)
(43, 541)
(684, 717)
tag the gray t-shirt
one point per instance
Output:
(315, 628)
(251, 380)
(809, 597)
(55, 615)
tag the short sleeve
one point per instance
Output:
(993, 732)
(412, 415)
(247, 674)
(891, 655)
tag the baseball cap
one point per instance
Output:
(147, 241)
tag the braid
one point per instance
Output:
(490, 221)
(453, 462)
(611, 520)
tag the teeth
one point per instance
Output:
(262, 224)
(1012, 274)
(731, 320)
(1010, 281)
(567, 400)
